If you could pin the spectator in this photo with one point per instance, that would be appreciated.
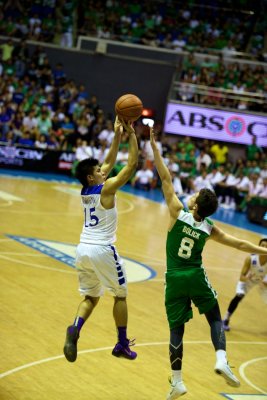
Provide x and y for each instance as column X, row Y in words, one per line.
column 201, row 182
column 177, row 185
column 252, row 149
column 26, row 140
column 44, row 123
column 143, row 178
column 107, row 134
column 220, row 151
column 224, row 190
column 254, row 188
column 41, row 143
column 216, row 175
column 84, row 151
column 7, row 50
column 203, row 158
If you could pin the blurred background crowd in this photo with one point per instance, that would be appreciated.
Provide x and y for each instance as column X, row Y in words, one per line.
column 212, row 24
column 41, row 107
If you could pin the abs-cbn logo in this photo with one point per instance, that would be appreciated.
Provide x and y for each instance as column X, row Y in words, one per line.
column 232, row 124
column 23, row 153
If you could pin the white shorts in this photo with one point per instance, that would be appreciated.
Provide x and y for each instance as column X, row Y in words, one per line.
column 100, row 267
column 242, row 288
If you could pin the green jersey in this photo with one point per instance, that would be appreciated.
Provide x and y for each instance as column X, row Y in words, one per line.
column 186, row 240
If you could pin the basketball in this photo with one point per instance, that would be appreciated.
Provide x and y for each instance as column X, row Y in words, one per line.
column 129, row 107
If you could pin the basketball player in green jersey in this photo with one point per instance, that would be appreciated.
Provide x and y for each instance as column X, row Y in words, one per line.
column 186, row 279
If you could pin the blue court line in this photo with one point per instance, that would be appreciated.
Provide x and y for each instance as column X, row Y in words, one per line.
column 230, row 217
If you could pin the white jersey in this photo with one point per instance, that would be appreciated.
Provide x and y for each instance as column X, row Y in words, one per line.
column 257, row 271
column 100, row 224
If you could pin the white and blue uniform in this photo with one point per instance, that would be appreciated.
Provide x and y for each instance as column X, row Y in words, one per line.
column 98, row 263
column 257, row 275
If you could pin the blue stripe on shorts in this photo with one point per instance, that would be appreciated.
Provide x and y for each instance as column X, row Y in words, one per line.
column 121, row 278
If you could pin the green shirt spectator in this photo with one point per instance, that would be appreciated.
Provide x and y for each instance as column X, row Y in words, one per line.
column 7, row 50
column 252, row 149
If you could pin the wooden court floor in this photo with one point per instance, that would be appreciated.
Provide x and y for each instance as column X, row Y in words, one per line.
column 39, row 299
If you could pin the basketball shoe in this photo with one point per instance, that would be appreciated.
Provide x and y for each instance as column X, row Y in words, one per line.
column 177, row 390
column 222, row 368
column 124, row 351
column 70, row 347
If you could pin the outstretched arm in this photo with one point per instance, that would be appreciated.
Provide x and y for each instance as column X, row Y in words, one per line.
column 220, row 236
column 113, row 184
column 245, row 269
column 173, row 203
column 110, row 159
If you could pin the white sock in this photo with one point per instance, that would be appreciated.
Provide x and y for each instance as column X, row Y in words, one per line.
column 227, row 315
column 221, row 355
column 176, row 376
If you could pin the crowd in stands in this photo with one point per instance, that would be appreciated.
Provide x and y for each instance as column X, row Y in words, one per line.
column 168, row 24
column 206, row 164
column 226, row 85
column 41, row 108
column 39, row 20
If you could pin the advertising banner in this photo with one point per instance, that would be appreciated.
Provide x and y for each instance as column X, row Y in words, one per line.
column 216, row 125
column 32, row 159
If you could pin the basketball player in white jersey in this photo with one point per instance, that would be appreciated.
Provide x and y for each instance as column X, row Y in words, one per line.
column 97, row 260
column 254, row 272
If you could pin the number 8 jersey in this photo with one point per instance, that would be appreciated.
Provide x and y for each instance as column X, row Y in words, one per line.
column 100, row 224
column 186, row 240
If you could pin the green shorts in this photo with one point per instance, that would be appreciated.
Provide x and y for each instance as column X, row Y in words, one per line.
column 184, row 286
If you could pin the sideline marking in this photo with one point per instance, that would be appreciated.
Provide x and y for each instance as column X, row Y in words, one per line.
column 242, row 373
column 38, row 265
column 45, row 360
column 243, row 396
column 9, row 197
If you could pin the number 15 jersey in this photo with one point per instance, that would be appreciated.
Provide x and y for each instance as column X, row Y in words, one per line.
column 100, row 224
column 186, row 240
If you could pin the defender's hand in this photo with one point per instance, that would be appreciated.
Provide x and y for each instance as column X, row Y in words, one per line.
column 152, row 138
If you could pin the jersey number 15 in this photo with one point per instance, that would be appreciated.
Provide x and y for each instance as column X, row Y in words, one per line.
column 90, row 219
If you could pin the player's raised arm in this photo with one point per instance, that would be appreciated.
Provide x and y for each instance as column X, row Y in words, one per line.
column 110, row 159
column 173, row 203
column 113, row 184
column 245, row 269
column 220, row 236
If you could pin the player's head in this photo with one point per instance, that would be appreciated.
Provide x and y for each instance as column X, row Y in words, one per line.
column 263, row 242
column 89, row 173
column 203, row 203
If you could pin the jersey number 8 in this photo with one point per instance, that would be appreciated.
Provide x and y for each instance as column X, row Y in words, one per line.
column 185, row 249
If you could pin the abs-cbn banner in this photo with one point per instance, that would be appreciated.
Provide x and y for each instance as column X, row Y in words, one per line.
column 32, row 159
column 215, row 124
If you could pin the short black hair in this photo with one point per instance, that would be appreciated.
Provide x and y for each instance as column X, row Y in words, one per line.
column 85, row 168
column 207, row 203
column 262, row 240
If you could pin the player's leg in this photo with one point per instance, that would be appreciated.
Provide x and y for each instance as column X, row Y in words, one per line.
column 176, row 355
column 91, row 288
column 205, row 298
column 179, row 311
column 112, row 275
column 73, row 331
column 120, row 314
column 219, row 342
column 241, row 290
